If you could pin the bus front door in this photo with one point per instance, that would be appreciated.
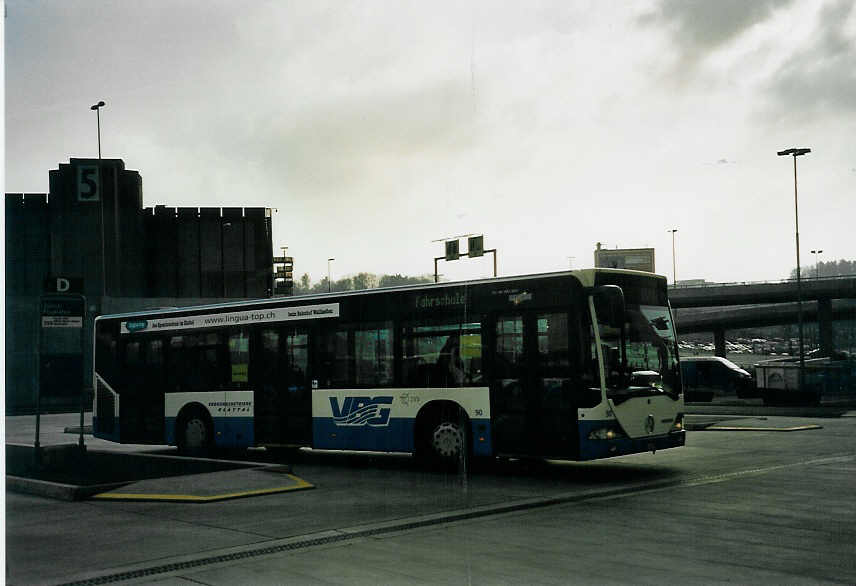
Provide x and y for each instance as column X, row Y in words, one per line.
column 554, row 400
column 532, row 404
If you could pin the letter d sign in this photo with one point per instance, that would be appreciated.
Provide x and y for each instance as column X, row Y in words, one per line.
column 57, row 284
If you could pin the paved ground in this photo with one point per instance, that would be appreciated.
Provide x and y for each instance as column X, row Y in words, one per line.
column 744, row 506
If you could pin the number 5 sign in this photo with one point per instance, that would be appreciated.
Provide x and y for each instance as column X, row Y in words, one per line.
column 87, row 183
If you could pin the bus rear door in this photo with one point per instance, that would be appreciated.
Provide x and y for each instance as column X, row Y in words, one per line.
column 283, row 401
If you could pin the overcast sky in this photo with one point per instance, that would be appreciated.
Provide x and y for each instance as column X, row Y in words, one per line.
column 374, row 128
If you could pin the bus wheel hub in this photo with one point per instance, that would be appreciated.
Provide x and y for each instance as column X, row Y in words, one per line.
column 195, row 433
column 447, row 439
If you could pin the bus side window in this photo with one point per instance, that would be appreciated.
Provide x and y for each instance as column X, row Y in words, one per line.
column 471, row 355
column 209, row 361
column 554, row 359
column 509, row 365
column 297, row 349
column 553, row 356
column 373, row 350
column 133, row 371
column 193, row 360
column 268, row 359
column 337, row 357
column 509, row 348
column 154, row 359
column 239, row 358
column 443, row 355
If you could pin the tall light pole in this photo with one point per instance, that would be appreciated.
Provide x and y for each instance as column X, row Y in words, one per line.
column 816, row 263
column 797, row 153
column 97, row 107
column 674, row 273
column 329, row 283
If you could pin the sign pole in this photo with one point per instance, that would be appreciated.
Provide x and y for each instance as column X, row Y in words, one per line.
column 82, row 386
column 59, row 311
column 38, row 379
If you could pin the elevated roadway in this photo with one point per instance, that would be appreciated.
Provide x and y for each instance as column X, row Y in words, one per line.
column 706, row 319
column 719, row 294
column 699, row 308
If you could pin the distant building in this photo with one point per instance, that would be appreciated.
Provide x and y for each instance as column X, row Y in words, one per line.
column 637, row 259
column 92, row 231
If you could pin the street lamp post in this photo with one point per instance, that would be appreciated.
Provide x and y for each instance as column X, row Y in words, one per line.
column 97, row 107
column 674, row 273
column 797, row 153
column 816, row 263
column 329, row 283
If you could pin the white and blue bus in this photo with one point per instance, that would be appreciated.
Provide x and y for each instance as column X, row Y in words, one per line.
column 575, row 365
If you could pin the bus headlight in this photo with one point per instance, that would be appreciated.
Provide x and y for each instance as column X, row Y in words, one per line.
column 605, row 433
column 678, row 425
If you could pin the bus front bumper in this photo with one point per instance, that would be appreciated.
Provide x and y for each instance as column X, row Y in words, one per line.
column 593, row 449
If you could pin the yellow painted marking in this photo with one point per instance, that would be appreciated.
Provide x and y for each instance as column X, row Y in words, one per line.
column 190, row 498
column 728, row 428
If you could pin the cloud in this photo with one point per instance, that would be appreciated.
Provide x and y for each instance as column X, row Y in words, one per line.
column 329, row 146
column 819, row 77
column 699, row 26
column 790, row 59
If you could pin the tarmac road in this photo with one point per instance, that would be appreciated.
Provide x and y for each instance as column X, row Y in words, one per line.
column 735, row 505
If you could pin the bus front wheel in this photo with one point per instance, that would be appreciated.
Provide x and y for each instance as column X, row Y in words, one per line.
column 195, row 433
column 444, row 440
column 448, row 440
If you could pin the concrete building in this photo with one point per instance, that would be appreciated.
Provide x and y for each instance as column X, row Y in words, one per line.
column 92, row 231
column 637, row 259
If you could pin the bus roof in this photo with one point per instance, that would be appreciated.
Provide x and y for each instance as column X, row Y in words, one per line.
column 584, row 276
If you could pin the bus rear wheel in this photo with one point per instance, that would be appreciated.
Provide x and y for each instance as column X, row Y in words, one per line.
column 195, row 433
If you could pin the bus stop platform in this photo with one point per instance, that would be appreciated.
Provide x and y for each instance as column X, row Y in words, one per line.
column 210, row 487
column 747, row 423
column 65, row 472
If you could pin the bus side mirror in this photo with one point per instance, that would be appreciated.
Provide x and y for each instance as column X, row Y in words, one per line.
column 609, row 305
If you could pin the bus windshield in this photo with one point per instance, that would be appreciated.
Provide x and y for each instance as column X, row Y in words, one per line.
column 641, row 357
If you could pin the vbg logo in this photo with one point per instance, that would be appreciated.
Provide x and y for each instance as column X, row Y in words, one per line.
column 358, row 411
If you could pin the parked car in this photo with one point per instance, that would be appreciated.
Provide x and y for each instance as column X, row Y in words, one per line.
column 706, row 377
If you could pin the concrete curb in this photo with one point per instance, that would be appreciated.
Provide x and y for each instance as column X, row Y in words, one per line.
column 738, row 428
column 87, row 429
column 57, row 490
column 76, row 492
column 833, row 411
